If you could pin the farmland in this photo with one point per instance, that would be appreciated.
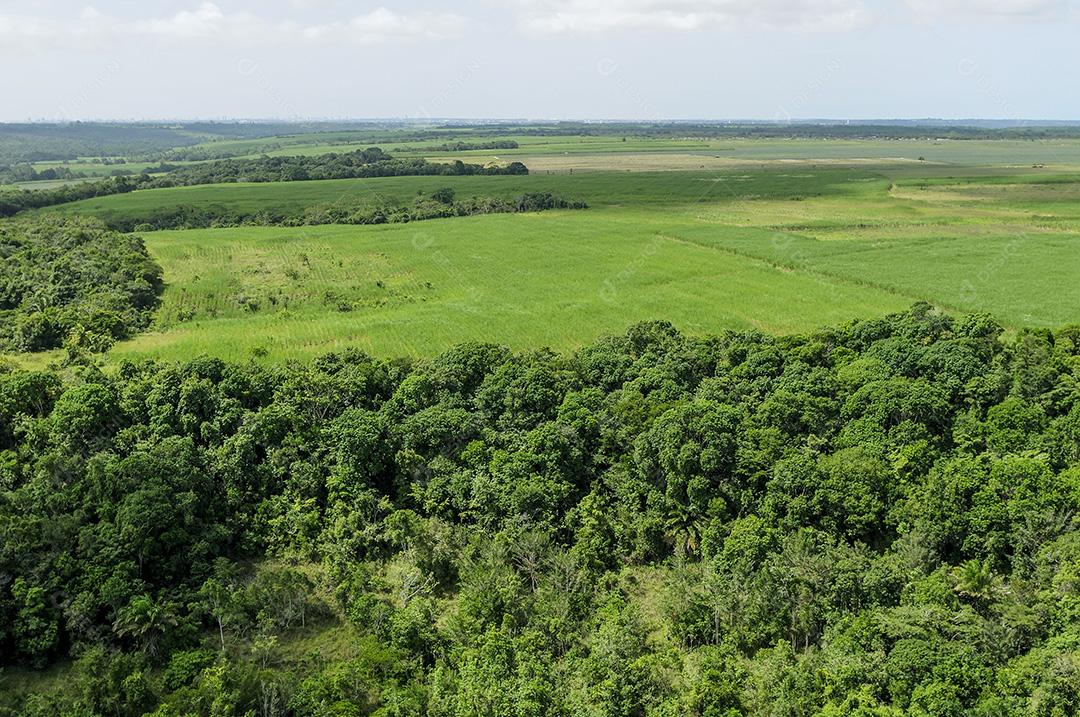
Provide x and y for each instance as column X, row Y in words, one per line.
column 418, row 289
column 555, row 151
column 785, row 247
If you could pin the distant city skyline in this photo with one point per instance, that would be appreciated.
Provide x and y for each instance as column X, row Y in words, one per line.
column 772, row 60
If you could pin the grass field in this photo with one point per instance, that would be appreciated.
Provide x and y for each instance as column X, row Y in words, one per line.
column 792, row 236
column 774, row 251
column 552, row 279
column 636, row 189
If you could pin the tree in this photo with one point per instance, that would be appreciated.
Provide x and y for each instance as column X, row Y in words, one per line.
column 976, row 581
column 36, row 631
column 147, row 621
column 445, row 195
column 219, row 598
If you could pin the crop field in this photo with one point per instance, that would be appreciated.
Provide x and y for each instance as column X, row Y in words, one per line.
column 637, row 189
column 551, row 279
column 779, row 251
column 795, row 235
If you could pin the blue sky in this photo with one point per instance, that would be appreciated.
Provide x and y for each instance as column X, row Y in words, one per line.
column 635, row 59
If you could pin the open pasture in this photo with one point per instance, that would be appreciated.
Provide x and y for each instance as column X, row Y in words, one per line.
column 780, row 251
column 552, row 279
column 781, row 235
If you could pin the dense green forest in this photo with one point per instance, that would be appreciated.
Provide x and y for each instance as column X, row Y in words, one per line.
column 361, row 163
column 876, row 519
column 31, row 142
column 74, row 282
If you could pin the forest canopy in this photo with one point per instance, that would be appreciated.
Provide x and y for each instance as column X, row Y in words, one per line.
column 878, row 518
column 73, row 280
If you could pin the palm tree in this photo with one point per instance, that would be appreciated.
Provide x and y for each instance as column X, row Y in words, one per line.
column 683, row 526
column 975, row 580
column 146, row 621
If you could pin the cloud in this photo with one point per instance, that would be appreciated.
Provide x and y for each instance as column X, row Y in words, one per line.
column 995, row 8
column 592, row 16
column 208, row 23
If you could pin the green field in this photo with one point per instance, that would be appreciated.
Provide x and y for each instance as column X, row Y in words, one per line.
column 624, row 190
column 794, row 235
column 776, row 251
column 416, row 289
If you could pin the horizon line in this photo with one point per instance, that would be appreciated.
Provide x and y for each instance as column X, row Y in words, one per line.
column 954, row 121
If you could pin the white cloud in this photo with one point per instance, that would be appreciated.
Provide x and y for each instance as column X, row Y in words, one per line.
column 383, row 24
column 995, row 8
column 209, row 23
column 589, row 16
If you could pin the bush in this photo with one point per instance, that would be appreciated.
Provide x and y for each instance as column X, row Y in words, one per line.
column 65, row 276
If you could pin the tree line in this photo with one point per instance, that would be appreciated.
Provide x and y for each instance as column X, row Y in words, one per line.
column 439, row 204
column 362, row 163
column 461, row 146
column 874, row 519
column 10, row 174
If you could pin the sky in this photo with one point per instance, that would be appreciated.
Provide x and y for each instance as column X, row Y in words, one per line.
column 539, row 59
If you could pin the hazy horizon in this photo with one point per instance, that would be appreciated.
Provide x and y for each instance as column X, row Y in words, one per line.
column 627, row 59
column 869, row 121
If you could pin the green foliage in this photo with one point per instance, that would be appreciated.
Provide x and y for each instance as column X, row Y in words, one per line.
column 461, row 146
column 440, row 205
column 36, row 631
column 72, row 281
column 655, row 525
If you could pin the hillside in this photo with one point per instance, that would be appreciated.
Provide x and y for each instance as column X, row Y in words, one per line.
column 881, row 514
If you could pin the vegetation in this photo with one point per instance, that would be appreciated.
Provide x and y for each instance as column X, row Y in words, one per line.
column 203, row 512
column 71, row 140
column 360, row 163
column 14, row 201
column 461, row 146
column 30, row 142
column 102, row 149
column 559, row 278
column 877, row 518
column 781, row 249
column 442, row 204
column 40, row 141
column 28, row 173
column 72, row 282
